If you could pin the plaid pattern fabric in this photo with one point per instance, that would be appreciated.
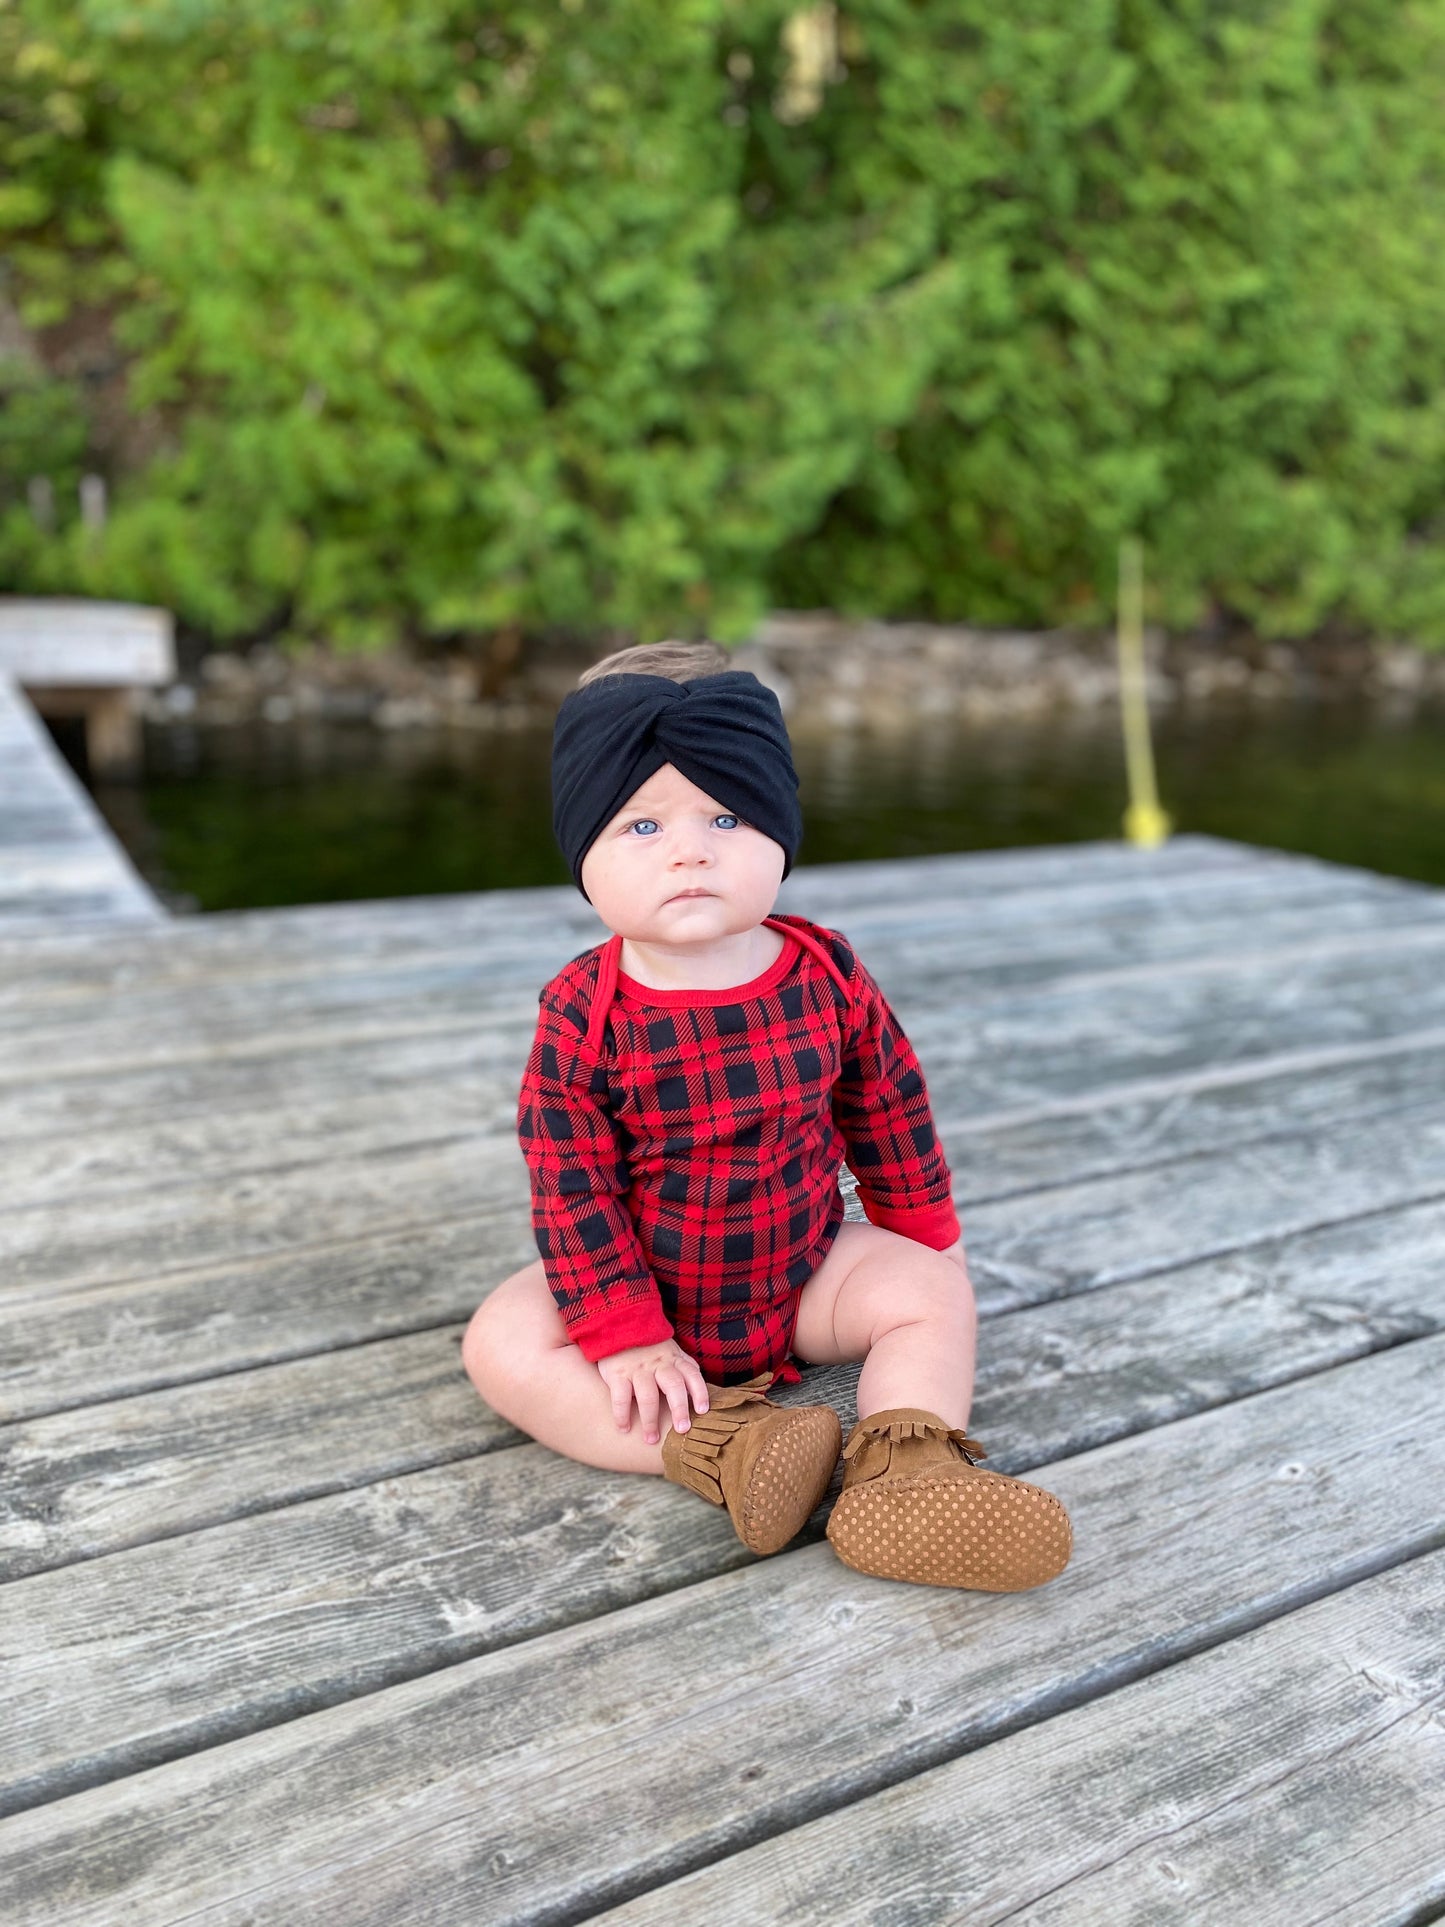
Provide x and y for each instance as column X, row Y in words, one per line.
column 684, row 1147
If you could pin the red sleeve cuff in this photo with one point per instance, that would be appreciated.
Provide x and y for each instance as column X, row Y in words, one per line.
column 935, row 1225
column 607, row 1331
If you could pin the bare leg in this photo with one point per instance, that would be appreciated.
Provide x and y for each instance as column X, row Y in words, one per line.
column 517, row 1353
column 907, row 1311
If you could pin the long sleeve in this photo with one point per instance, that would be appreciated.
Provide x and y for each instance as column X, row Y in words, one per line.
column 595, row 1266
column 880, row 1103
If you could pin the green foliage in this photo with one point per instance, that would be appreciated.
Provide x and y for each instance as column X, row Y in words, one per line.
column 421, row 319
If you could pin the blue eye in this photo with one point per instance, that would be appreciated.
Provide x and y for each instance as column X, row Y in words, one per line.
column 649, row 823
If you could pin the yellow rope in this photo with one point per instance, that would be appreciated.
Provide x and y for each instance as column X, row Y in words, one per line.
column 1144, row 822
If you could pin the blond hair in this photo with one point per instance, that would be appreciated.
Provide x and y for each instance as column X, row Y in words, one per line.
column 678, row 661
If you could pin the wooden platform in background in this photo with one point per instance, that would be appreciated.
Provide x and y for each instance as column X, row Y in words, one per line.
column 296, row 1632
column 84, row 660
column 59, row 862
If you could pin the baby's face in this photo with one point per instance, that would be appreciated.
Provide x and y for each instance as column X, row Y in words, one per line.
column 671, row 837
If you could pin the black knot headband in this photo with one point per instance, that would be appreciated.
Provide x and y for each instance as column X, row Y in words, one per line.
column 723, row 732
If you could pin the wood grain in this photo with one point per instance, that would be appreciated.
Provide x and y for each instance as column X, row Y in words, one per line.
column 440, row 1800
column 1293, row 1777
column 1052, row 1381
column 149, row 1027
column 223, row 1318
column 1113, row 1128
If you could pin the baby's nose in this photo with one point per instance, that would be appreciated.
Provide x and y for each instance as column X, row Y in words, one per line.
column 690, row 846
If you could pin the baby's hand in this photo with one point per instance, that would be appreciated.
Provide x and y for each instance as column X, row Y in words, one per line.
column 648, row 1374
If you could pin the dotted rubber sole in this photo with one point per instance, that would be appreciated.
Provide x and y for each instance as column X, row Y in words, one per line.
column 788, row 1480
column 986, row 1534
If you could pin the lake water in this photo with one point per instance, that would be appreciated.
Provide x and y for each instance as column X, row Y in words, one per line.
column 249, row 815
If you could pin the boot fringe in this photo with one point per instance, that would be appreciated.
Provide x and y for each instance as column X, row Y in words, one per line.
column 721, row 1397
column 700, row 1447
column 872, row 1445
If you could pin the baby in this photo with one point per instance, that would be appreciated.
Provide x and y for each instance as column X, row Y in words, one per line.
column 694, row 1086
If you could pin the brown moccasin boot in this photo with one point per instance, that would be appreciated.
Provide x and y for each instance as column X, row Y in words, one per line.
column 768, row 1464
column 915, row 1506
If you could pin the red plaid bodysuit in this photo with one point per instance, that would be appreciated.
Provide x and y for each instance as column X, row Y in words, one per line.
column 684, row 1147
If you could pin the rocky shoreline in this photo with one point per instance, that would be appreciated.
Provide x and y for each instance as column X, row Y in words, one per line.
column 827, row 671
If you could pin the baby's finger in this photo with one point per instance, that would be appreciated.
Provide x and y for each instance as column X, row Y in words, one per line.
column 647, row 1406
column 696, row 1383
column 622, row 1405
column 674, row 1388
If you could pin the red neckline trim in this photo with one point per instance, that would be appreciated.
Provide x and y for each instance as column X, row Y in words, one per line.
column 732, row 993
column 608, row 974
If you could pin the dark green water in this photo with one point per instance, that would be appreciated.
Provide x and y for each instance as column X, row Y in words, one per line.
column 227, row 818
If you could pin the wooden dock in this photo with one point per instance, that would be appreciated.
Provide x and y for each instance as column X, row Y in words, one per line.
column 59, row 862
column 295, row 1631
column 85, row 660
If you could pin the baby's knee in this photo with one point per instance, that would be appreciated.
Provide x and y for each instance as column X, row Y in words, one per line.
column 477, row 1351
column 497, row 1342
column 937, row 1291
column 507, row 1346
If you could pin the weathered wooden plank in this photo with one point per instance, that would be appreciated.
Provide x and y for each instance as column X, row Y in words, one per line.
column 257, row 946
column 1030, row 1247
column 78, row 863
column 1147, row 1120
column 38, row 911
column 1182, row 1799
column 1108, row 922
column 148, row 1026
column 1059, row 1378
column 146, row 1234
column 781, row 1691
column 1081, row 1037
column 1023, row 1248
column 137, row 1031
column 1104, row 1131
column 1061, row 1043
column 144, row 1337
column 43, row 820
column 84, row 875
column 37, row 878
column 492, row 971
column 82, row 1483
column 65, row 640
column 195, row 1150
column 195, row 1090
column 240, row 939
column 911, row 885
column 1076, row 1237
column 960, row 1091
column 1052, row 1381
column 977, row 954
